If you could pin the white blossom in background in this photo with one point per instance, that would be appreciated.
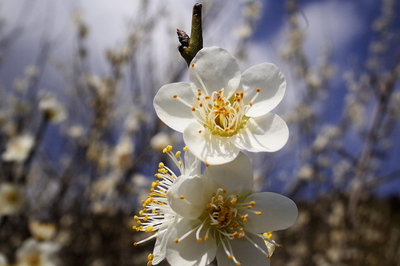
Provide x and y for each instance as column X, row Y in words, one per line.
column 223, row 219
column 223, row 111
column 161, row 140
column 42, row 231
column 52, row 109
column 11, row 199
column 3, row 260
column 18, row 148
column 122, row 157
column 156, row 215
column 35, row 253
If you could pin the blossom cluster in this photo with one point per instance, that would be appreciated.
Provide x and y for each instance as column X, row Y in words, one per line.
column 204, row 213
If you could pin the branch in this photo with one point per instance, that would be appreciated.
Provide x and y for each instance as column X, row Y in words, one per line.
column 191, row 45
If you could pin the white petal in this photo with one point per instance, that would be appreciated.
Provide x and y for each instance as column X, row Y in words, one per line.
column 265, row 133
column 272, row 83
column 192, row 164
column 189, row 251
column 211, row 149
column 236, row 176
column 170, row 110
column 277, row 212
column 216, row 69
column 189, row 195
column 160, row 247
column 245, row 252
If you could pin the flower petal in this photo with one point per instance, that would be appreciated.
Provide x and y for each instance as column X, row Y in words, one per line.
column 244, row 251
column 211, row 149
column 170, row 110
column 272, row 83
column 192, row 164
column 265, row 133
column 189, row 195
column 160, row 247
column 216, row 69
column 189, row 251
column 277, row 212
column 236, row 176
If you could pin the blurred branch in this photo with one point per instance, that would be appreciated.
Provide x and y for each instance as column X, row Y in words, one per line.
column 384, row 95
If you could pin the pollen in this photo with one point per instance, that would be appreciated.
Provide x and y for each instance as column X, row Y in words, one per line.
column 149, row 229
column 258, row 213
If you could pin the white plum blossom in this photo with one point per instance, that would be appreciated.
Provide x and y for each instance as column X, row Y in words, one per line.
column 222, row 219
column 18, row 148
column 11, row 198
column 52, row 109
column 156, row 215
column 3, row 260
column 35, row 253
column 222, row 111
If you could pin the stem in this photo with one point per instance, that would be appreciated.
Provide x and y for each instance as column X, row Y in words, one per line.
column 191, row 45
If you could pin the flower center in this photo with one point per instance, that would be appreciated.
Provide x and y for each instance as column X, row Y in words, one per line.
column 220, row 115
column 224, row 216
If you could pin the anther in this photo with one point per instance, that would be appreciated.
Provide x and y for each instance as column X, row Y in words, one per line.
column 182, row 197
column 149, row 229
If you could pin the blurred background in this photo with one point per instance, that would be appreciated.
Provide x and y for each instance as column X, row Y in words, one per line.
column 80, row 141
